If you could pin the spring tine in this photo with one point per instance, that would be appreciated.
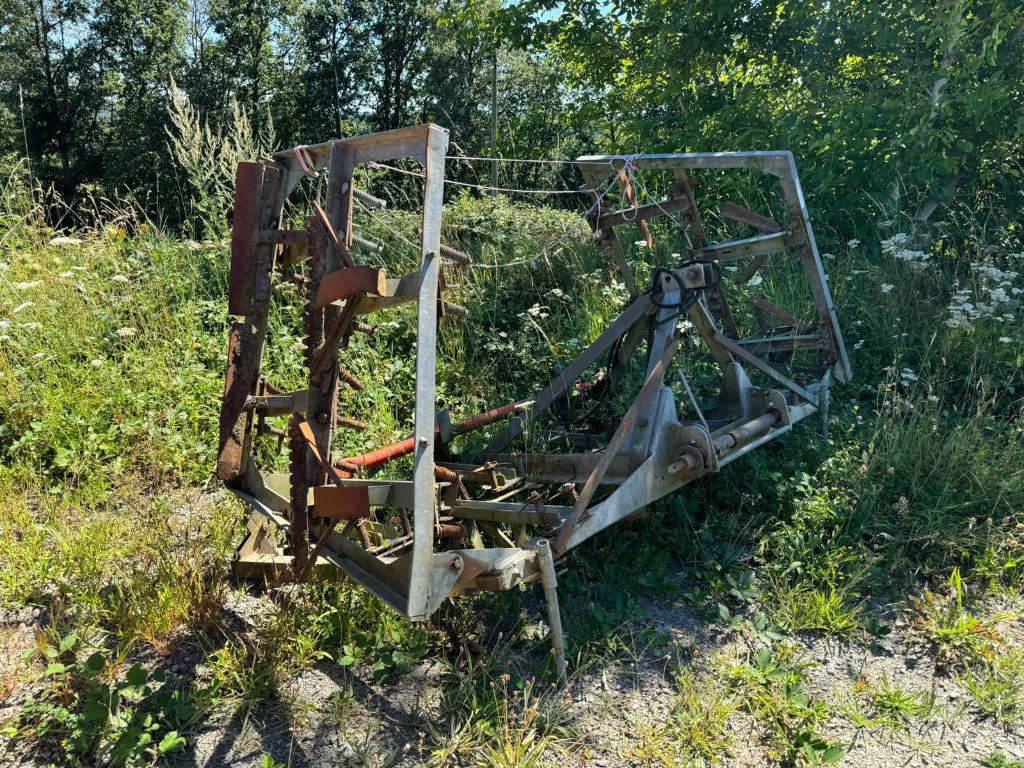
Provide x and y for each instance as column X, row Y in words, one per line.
column 570, row 489
column 449, row 531
column 345, row 421
column 406, row 521
column 351, row 380
column 457, row 257
column 367, row 245
column 370, row 200
column 364, row 534
column 446, row 475
column 455, row 311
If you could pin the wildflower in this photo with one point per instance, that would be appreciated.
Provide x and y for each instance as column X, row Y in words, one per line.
column 907, row 376
column 21, row 307
column 38, row 356
column 4, row 266
column 61, row 240
column 1005, row 339
column 887, row 287
column 126, row 333
column 27, row 285
column 119, row 279
column 828, row 256
column 96, row 362
column 755, row 280
column 66, row 275
column 893, row 243
column 933, row 398
column 853, row 243
column 859, row 344
column 640, row 243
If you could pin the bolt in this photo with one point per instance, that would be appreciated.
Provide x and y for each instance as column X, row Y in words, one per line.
column 570, row 488
column 491, row 467
column 323, row 417
column 423, row 442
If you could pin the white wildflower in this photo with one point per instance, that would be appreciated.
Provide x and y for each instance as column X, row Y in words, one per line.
column 4, row 325
column 894, row 243
column 96, row 362
column 4, row 266
column 887, row 287
column 38, row 356
column 119, row 279
column 640, row 243
column 829, row 256
column 24, row 286
column 755, row 280
column 126, row 333
column 61, row 240
column 66, row 275
column 859, row 344
column 1005, row 340
column 853, row 243
column 21, row 307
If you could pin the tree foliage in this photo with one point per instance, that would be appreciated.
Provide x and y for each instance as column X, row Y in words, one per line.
column 892, row 106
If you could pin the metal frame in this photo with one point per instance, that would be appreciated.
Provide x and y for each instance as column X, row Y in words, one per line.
column 509, row 528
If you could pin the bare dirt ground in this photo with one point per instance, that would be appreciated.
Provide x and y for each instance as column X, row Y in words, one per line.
column 335, row 717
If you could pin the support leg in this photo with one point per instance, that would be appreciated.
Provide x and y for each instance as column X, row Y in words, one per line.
column 549, row 581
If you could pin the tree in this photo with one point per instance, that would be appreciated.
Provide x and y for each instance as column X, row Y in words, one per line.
column 912, row 97
column 43, row 57
column 399, row 31
column 333, row 62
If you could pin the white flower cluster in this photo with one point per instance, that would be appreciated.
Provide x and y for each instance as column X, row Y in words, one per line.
column 996, row 295
column 897, row 246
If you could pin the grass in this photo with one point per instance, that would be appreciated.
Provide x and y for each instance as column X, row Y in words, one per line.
column 997, row 685
column 887, row 704
column 695, row 732
column 111, row 364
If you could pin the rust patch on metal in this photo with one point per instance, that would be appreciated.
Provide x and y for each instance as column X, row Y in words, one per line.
column 238, row 384
column 347, row 283
column 346, row 503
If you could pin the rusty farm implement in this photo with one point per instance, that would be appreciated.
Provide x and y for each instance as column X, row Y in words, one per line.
column 459, row 524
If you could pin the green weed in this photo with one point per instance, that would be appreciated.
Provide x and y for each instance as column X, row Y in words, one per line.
column 97, row 717
column 997, row 685
column 695, row 733
column 774, row 690
column 957, row 634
